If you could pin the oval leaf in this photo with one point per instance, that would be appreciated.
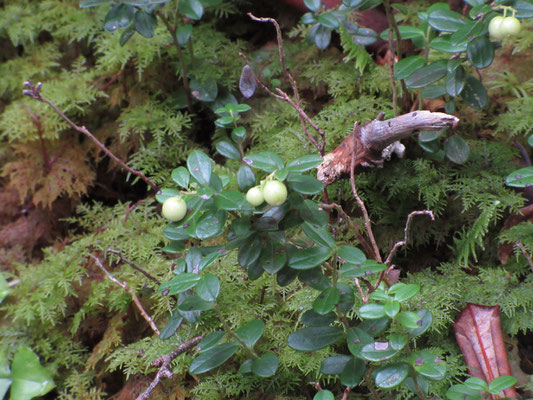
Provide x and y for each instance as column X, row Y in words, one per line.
column 314, row 338
column 353, row 372
column 391, row 375
column 199, row 165
column 208, row 287
column 326, row 301
column 251, row 331
column 520, row 178
column 407, row 66
column 228, row 150
column 266, row 161
column 212, row 358
column 480, row 52
column 266, row 365
column 457, row 150
column 309, row 258
column 427, row 75
column 145, row 23
column 305, row 163
column 474, row 93
column 191, row 8
column 118, row 17
column 305, row 184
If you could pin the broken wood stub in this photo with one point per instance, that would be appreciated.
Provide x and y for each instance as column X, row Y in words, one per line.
column 376, row 141
column 479, row 335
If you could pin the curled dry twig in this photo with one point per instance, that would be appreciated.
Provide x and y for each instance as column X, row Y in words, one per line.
column 125, row 286
column 34, row 91
column 163, row 363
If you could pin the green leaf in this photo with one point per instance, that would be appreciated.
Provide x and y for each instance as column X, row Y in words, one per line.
column 273, row 257
column 476, row 383
column 127, row 34
column 180, row 283
column 192, row 9
column 334, row 365
column 174, row 322
column 210, row 341
column 398, row 342
column 309, row 258
column 245, row 177
column 428, row 365
column 213, row 357
column 5, row 375
column 372, row 311
column 314, row 278
column 500, row 383
column 183, row 34
column 118, row 17
column 93, row 3
column 326, row 301
column 468, row 30
column 314, row 338
column 4, row 290
column 445, row 20
column 249, row 251
column 313, row 213
column 443, row 43
column 313, row 5
column 199, row 165
column 423, row 323
column 329, row 20
column 324, row 395
column 250, row 332
column 429, row 136
column 322, row 37
column 208, row 287
column 520, row 178
column 228, row 150
column 474, row 93
column 347, row 299
column 312, row 318
column 357, row 339
column 305, row 184
column 30, row 378
column 351, row 254
column 391, row 308
column 195, row 303
column 231, row 200
column 524, row 9
column 266, row 365
column 408, row 65
column 391, row 375
column 378, row 351
column 427, row 75
column 463, row 392
column 480, row 52
column 304, row 163
column 266, row 161
column 181, row 176
column 455, row 81
column 374, row 326
column 353, row 372
column 238, row 134
column 205, row 91
column 406, row 32
column 457, row 150
column 408, row 319
column 211, row 225
column 432, row 92
column 402, row 291
column 319, row 235
column 246, row 366
column 145, row 23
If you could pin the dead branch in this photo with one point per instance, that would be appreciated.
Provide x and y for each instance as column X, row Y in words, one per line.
column 125, row 286
column 163, row 364
column 525, row 253
column 374, row 142
column 133, row 265
column 34, row 91
column 403, row 242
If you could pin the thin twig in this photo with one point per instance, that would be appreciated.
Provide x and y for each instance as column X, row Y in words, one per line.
column 163, row 363
column 368, row 224
column 403, row 242
column 132, row 264
column 34, row 91
column 297, row 103
column 364, row 296
column 125, row 286
column 346, row 393
column 525, row 253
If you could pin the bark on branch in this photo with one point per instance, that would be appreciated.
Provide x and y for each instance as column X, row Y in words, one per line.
column 375, row 142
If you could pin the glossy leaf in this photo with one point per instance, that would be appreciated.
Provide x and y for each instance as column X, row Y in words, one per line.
column 314, row 278
column 266, row 365
column 329, row 20
column 391, row 308
column 406, row 32
column 247, row 82
column 375, row 326
column 238, row 134
column 93, row 3
column 127, row 34
column 249, row 251
column 206, row 91
column 476, row 384
column 402, row 291
column 192, row 9
column 210, row 225
column 427, row 75
column 199, row 165
column 520, row 178
column 145, row 23
column 372, row 311
column 322, row 37
column 231, row 200
column 480, row 52
column 266, row 161
column 180, row 283
column 314, row 338
column 208, row 287
column 426, row 318
column 445, row 20
column 467, row 31
column 391, row 375
column 474, row 94
column 457, row 150
column 334, row 365
column 308, row 18
column 183, row 34
column 428, row 365
column 309, row 258
column 273, row 257
column 312, row 318
column 351, row 254
column 407, row 66
column 357, row 338
column 246, row 366
column 324, row 395
column 228, row 150
column 378, row 351
column 408, row 319
column 455, row 81
column 118, row 17
column 326, row 301
column 251, row 331
column 30, row 378
column 353, row 372
column 181, row 176
column 398, row 341
column 213, row 357
column 433, row 91
column 195, row 303
column 313, row 213
column 319, row 235
column 245, row 177
column 304, row 163
column 347, row 300
column 444, row 44
column 429, row 136
column 210, row 341
column 173, row 323
column 500, row 383
column 313, row 5
column 463, row 392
